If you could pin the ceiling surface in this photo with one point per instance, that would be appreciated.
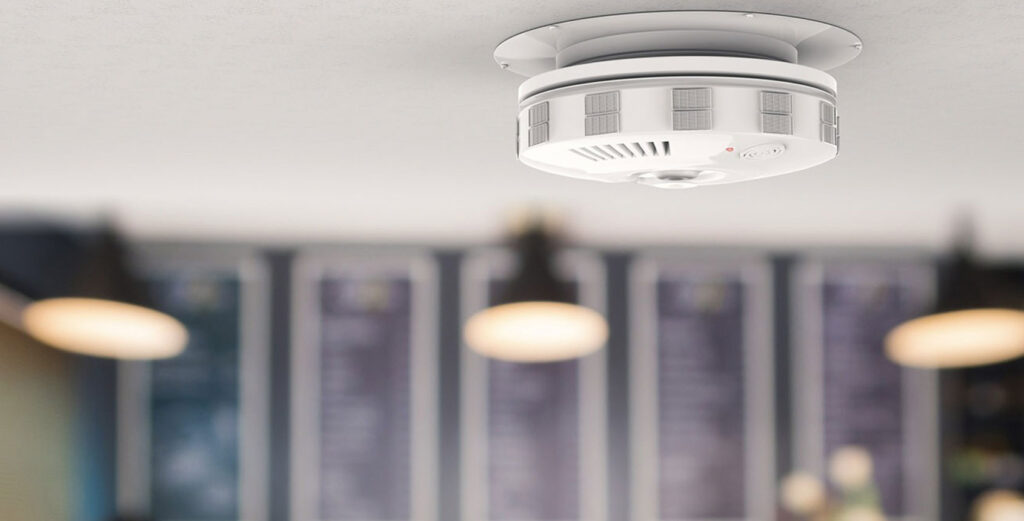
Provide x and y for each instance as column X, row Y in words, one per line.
column 387, row 120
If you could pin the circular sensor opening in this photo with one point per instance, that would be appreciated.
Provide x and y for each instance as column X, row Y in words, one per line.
column 677, row 179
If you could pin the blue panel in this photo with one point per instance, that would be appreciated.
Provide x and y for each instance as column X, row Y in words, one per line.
column 864, row 391
column 702, row 463
column 95, row 432
column 195, row 401
column 533, row 438
column 365, row 398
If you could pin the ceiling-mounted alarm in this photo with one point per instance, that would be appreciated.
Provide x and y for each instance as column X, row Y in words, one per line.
column 678, row 99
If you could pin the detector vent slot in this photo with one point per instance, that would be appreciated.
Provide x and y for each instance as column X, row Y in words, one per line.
column 615, row 151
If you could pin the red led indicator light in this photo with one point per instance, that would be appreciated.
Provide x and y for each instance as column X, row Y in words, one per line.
column 730, row 149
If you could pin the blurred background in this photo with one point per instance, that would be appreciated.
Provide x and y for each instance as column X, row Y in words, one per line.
column 257, row 264
column 335, row 382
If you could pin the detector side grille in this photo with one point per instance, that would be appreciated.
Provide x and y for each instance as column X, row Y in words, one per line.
column 691, row 109
column 602, row 113
column 776, row 124
column 829, row 124
column 776, row 112
column 538, row 118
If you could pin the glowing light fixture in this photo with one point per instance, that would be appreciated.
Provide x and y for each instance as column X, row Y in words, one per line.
column 998, row 505
column 536, row 320
column 105, row 316
column 978, row 320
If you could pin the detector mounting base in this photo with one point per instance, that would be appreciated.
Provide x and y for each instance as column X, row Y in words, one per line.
column 678, row 33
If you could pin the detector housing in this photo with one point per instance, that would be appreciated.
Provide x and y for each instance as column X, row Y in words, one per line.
column 678, row 99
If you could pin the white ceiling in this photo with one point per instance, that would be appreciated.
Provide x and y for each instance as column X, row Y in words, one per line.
column 387, row 120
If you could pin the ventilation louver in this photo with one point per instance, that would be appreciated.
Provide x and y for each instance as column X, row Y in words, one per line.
column 624, row 150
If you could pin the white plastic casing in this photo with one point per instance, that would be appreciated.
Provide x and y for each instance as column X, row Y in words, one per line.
column 678, row 122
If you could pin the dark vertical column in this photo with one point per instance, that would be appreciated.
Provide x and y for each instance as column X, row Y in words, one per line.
column 95, row 438
column 781, row 304
column 280, row 383
column 617, row 266
column 951, row 393
column 450, row 344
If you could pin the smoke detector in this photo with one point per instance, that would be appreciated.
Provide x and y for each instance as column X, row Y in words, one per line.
column 678, row 99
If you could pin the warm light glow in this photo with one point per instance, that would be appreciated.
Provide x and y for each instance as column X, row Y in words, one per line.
column 860, row 513
column 802, row 493
column 998, row 505
column 105, row 328
column 958, row 339
column 851, row 468
column 536, row 331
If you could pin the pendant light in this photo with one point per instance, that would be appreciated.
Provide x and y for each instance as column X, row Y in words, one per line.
column 977, row 320
column 536, row 319
column 106, row 313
